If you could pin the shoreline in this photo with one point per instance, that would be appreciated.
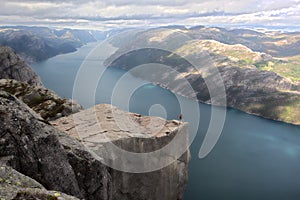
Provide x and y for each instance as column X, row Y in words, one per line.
column 227, row 107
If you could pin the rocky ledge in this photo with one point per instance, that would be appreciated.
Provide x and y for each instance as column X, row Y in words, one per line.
column 62, row 163
column 43, row 101
column 17, row 78
column 98, row 126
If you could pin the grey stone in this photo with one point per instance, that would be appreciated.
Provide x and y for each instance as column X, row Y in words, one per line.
column 13, row 67
column 43, row 101
column 14, row 185
column 98, row 126
column 33, row 147
column 62, row 163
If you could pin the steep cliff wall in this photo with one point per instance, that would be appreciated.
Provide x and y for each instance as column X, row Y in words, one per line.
column 17, row 78
column 98, row 126
column 60, row 162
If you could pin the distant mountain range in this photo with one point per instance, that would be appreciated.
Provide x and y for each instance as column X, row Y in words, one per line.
column 40, row 43
column 260, row 70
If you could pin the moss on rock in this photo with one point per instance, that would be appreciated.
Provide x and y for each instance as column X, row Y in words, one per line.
column 43, row 101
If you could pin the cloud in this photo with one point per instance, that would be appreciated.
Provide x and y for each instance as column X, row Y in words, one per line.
column 110, row 13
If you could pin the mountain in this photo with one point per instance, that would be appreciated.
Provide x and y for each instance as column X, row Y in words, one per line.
column 275, row 43
column 40, row 43
column 260, row 71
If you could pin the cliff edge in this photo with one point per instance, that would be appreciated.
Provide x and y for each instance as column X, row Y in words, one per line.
column 98, row 126
column 62, row 163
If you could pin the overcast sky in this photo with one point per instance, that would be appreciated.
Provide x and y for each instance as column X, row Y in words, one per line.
column 106, row 14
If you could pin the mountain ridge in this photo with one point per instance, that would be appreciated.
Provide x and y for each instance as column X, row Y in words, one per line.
column 36, row 44
column 255, row 81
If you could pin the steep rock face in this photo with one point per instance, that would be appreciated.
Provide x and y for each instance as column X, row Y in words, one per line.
column 134, row 133
column 12, row 67
column 43, row 101
column 59, row 162
column 47, row 155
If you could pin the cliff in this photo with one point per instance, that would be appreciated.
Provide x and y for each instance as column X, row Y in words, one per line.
column 36, row 149
column 19, row 79
column 62, row 163
column 13, row 67
column 97, row 126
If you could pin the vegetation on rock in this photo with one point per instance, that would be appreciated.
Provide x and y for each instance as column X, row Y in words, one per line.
column 43, row 101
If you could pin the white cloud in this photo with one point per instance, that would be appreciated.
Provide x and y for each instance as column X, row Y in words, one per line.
column 111, row 13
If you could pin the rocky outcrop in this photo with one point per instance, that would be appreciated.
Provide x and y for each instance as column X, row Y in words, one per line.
column 19, row 79
column 36, row 149
column 98, row 126
column 59, row 162
column 12, row 67
column 43, row 101
column 14, row 185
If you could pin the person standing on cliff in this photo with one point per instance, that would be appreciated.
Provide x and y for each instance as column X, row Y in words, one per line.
column 180, row 117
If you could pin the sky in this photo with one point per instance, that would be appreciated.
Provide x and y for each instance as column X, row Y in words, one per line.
column 108, row 14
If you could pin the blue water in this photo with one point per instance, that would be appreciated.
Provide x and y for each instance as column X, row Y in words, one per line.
column 254, row 159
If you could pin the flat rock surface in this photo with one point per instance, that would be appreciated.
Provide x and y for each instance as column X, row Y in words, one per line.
column 105, row 122
column 98, row 126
